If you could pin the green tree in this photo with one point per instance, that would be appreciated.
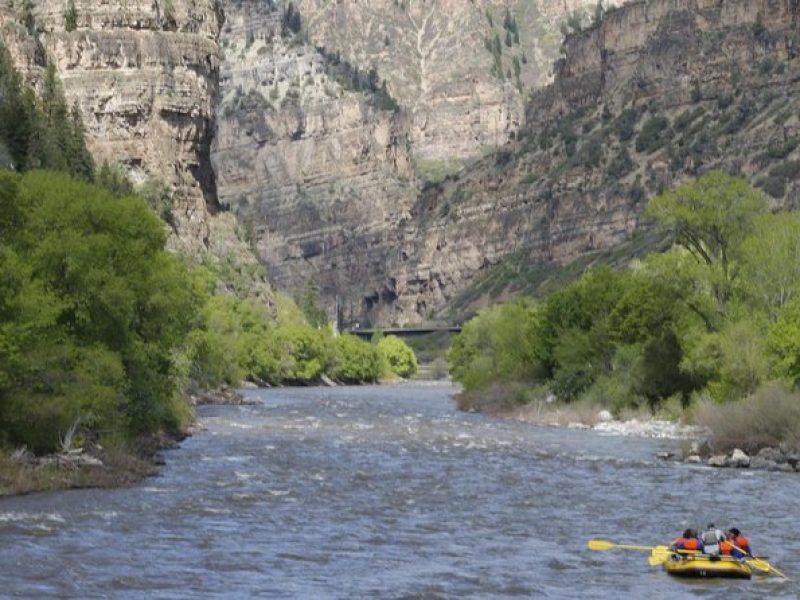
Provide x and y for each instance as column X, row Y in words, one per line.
column 710, row 217
column 309, row 304
column 500, row 344
column 401, row 358
column 92, row 313
column 113, row 178
column 783, row 342
column 770, row 259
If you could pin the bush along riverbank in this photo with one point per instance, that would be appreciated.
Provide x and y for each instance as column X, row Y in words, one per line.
column 104, row 335
column 706, row 333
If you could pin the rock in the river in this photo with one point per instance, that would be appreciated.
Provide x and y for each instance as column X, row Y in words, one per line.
column 739, row 459
column 720, row 460
column 771, row 454
column 694, row 459
column 764, row 464
column 604, row 416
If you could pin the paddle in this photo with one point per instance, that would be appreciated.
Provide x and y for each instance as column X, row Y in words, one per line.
column 757, row 562
column 658, row 554
column 606, row 545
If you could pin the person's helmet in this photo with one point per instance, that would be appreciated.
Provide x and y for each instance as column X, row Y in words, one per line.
column 688, row 533
column 710, row 526
column 735, row 531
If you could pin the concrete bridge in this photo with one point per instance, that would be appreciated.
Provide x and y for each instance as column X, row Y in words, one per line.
column 401, row 331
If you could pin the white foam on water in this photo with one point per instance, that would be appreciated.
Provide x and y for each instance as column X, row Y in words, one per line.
column 237, row 458
column 21, row 517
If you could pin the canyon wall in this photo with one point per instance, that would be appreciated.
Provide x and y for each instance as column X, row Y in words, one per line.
column 145, row 76
column 335, row 115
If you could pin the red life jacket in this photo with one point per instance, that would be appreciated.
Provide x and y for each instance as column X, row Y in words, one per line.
column 725, row 548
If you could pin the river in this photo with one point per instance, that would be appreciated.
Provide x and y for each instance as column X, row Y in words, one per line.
column 389, row 492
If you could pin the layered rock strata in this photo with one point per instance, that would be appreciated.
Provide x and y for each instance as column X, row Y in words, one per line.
column 144, row 75
column 326, row 171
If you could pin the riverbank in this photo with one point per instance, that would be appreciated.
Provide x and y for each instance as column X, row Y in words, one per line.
column 94, row 465
column 592, row 418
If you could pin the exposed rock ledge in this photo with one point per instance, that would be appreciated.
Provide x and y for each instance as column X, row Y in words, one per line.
column 767, row 459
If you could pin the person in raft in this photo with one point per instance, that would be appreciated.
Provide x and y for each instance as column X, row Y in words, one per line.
column 735, row 544
column 688, row 541
column 711, row 538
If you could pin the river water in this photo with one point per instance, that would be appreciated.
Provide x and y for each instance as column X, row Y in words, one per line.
column 389, row 492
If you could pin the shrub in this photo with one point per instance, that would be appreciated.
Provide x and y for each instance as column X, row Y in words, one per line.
column 399, row 355
column 303, row 353
column 774, row 186
column 626, row 123
column 620, row 165
column 768, row 418
column 497, row 345
column 354, row 360
column 781, row 148
column 653, row 134
column 788, row 170
column 71, row 17
column 591, row 153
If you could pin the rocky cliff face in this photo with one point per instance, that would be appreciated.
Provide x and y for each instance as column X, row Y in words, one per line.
column 328, row 130
column 144, row 75
column 660, row 92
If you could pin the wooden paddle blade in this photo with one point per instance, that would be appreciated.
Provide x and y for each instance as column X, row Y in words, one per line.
column 600, row 545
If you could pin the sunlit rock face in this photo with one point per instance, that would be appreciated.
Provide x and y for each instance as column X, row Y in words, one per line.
column 145, row 77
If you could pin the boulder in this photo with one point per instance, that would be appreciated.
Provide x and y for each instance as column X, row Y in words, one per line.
column 720, row 460
column 739, row 459
column 772, row 454
column 604, row 416
column 694, row 459
column 764, row 464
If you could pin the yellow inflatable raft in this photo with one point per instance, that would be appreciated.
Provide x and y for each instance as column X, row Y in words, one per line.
column 701, row 565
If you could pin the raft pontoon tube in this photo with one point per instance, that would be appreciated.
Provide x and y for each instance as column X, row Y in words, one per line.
column 701, row 565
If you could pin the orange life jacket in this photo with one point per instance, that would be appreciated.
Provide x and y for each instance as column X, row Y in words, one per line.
column 743, row 543
column 686, row 543
column 725, row 548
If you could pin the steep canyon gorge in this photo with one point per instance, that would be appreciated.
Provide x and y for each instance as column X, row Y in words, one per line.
column 396, row 152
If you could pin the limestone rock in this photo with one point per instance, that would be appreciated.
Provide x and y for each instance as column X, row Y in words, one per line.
column 739, row 459
column 719, row 460
column 760, row 463
column 771, row 454
column 144, row 76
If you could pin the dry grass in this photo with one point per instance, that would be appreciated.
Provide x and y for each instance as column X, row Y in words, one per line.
column 123, row 465
column 768, row 418
column 557, row 414
column 495, row 399
column 523, row 403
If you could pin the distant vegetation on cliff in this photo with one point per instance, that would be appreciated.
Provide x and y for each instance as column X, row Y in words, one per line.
column 715, row 317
